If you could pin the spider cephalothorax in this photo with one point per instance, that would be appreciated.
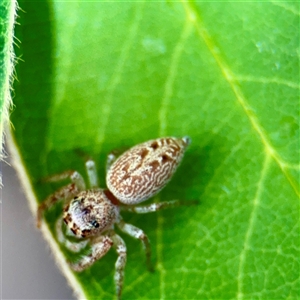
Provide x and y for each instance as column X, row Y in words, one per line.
column 91, row 214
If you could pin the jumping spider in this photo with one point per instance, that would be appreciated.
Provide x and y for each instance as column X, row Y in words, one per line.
column 91, row 214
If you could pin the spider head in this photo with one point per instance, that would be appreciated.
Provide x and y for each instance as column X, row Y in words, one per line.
column 90, row 213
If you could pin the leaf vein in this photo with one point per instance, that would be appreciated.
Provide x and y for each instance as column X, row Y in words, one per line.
column 249, row 232
column 194, row 17
column 267, row 80
column 286, row 7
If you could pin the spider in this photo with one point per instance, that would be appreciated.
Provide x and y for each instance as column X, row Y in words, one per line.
column 91, row 214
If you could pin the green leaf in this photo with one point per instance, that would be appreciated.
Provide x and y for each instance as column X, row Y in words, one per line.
column 7, row 13
column 99, row 76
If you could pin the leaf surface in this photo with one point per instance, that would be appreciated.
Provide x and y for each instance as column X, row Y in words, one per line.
column 99, row 76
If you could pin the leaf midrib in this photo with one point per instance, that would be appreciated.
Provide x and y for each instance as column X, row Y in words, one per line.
column 193, row 16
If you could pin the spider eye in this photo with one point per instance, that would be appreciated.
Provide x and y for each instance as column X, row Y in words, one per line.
column 95, row 224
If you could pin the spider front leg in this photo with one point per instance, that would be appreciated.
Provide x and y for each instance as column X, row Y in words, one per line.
column 137, row 233
column 61, row 236
column 99, row 247
column 65, row 193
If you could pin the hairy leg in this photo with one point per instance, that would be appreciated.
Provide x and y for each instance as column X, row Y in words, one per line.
column 120, row 247
column 65, row 193
column 138, row 234
column 92, row 173
column 73, row 175
column 72, row 246
column 111, row 158
column 157, row 206
column 99, row 247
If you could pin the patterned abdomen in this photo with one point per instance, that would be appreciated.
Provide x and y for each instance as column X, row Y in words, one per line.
column 145, row 169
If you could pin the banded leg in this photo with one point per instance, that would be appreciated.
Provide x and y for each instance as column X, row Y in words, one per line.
column 137, row 233
column 65, row 193
column 73, row 175
column 92, row 173
column 157, row 206
column 72, row 246
column 120, row 247
column 99, row 248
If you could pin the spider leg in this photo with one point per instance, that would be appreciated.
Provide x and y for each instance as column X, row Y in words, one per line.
column 120, row 247
column 72, row 246
column 137, row 233
column 111, row 158
column 73, row 175
column 99, row 247
column 65, row 193
column 92, row 173
column 157, row 206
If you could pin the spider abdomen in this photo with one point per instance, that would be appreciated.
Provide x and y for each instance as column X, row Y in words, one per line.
column 145, row 169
